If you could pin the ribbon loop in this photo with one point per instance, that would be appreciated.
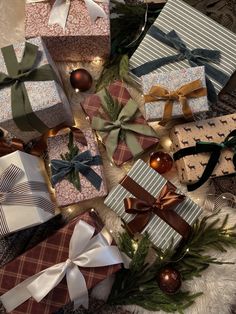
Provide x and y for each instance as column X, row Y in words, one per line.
column 214, row 149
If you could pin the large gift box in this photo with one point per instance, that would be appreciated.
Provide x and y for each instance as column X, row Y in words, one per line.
column 147, row 202
column 25, row 199
column 72, row 30
column 31, row 97
column 116, row 118
column 174, row 94
column 35, row 281
column 182, row 36
column 76, row 167
column 204, row 147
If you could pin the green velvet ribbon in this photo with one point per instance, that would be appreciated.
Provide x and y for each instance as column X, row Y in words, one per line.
column 209, row 147
column 110, row 130
column 18, row 73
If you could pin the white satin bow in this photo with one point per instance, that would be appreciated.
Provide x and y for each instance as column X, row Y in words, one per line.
column 84, row 251
column 60, row 10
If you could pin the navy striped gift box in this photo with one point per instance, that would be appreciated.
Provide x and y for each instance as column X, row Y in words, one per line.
column 161, row 234
column 196, row 30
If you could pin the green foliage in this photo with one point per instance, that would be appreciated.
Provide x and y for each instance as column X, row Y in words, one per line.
column 112, row 107
column 138, row 284
column 73, row 176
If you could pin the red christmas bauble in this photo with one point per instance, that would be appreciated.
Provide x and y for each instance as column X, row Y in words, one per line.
column 161, row 162
column 81, row 80
column 169, row 280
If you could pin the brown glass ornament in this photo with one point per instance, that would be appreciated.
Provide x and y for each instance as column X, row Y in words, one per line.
column 161, row 162
column 81, row 80
column 169, row 280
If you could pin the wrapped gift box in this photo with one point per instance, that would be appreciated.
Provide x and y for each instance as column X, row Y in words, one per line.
column 66, row 192
column 52, row 251
column 93, row 108
column 47, row 98
column 161, row 234
column 173, row 81
column 81, row 40
column 197, row 31
column 20, row 211
column 190, row 168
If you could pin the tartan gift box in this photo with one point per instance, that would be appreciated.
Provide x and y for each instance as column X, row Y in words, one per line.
column 116, row 118
column 31, row 97
column 141, row 198
column 182, row 36
column 16, row 292
column 174, row 94
column 204, row 149
column 84, row 181
column 25, row 199
column 81, row 36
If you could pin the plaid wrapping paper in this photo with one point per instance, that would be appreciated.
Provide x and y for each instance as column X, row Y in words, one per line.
column 92, row 107
column 190, row 168
column 48, row 253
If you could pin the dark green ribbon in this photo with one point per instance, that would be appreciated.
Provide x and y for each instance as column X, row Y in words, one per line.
column 208, row 147
column 195, row 57
column 110, row 130
column 18, row 73
column 81, row 163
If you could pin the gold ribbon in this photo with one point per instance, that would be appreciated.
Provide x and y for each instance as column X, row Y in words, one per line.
column 182, row 94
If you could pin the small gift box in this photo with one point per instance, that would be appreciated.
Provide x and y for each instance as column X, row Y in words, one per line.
column 174, row 93
column 147, row 202
column 25, row 199
column 116, row 117
column 31, row 97
column 72, row 30
column 76, row 167
column 205, row 149
column 82, row 251
column 182, row 36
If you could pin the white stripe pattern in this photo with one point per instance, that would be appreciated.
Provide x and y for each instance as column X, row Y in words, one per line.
column 161, row 234
column 196, row 30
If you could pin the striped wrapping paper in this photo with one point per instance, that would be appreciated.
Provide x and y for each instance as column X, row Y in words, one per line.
column 161, row 234
column 196, row 30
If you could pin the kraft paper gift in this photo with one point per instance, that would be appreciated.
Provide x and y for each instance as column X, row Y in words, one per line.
column 73, row 249
column 145, row 186
column 31, row 97
column 199, row 135
column 127, row 120
column 79, row 35
column 184, row 91
column 88, row 180
column 181, row 37
column 25, row 199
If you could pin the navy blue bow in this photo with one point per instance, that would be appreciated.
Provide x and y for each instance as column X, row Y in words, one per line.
column 195, row 57
column 81, row 163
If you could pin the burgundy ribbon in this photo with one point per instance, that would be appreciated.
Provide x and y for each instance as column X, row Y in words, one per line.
column 145, row 205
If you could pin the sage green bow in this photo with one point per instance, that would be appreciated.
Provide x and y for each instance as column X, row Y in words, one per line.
column 18, row 73
column 122, row 123
column 215, row 150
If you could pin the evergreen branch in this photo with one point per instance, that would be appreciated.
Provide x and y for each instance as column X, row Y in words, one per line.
column 112, row 107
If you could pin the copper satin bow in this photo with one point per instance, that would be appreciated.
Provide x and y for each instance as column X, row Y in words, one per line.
column 182, row 94
column 162, row 206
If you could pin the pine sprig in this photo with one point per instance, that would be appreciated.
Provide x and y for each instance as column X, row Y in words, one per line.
column 73, row 176
column 138, row 284
column 112, row 107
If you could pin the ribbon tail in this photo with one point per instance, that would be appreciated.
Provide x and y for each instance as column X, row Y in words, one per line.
column 59, row 13
column 91, row 176
column 133, row 143
column 94, row 10
column 77, row 287
column 187, row 112
column 138, row 223
column 112, row 142
column 167, row 115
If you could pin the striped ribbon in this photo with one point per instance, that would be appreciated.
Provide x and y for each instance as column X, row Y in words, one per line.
column 18, row 194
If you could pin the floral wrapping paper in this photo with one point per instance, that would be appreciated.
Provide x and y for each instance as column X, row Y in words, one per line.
column 92, row 107
column 52, row 251
column 190, row 168
column 171, row 81
column 81, row 39
column 66, row 192
column 47, row 98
